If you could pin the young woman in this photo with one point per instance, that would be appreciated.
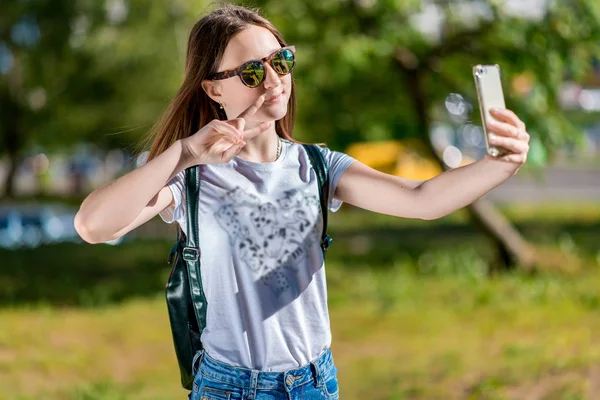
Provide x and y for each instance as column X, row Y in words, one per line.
column 267, row 334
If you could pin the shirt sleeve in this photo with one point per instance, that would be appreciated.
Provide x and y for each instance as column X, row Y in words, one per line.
column 336, row 162
column 177, row 213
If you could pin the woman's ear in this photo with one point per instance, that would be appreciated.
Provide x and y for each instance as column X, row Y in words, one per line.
column 212, row 89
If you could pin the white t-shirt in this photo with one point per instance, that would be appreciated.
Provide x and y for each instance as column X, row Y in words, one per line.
column 262, row 266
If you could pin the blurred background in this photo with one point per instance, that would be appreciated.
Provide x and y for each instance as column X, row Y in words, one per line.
column 499, row 300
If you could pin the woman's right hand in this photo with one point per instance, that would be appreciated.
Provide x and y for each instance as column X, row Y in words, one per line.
column 219, row 141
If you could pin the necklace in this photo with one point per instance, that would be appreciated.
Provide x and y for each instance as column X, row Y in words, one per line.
column 278, row 147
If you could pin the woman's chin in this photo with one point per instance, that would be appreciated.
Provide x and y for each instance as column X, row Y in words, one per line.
column 274, row 113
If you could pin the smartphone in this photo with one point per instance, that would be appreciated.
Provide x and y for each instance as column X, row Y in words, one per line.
column 490, row 95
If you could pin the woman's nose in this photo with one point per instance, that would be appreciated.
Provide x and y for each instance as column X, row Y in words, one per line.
column 271, row 77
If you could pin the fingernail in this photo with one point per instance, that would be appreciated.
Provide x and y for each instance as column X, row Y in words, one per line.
column 491, row 136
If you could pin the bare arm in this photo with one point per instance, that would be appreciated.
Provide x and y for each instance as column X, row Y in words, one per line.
column 132, row 199
column 376, row 191
column 129, row 201
column 367, row 188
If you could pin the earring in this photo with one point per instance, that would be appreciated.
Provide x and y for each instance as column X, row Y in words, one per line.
column 221, row 104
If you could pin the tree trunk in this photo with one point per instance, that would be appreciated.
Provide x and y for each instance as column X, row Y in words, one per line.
column 511, row 246
column 9, row 182
column 12, row 113
column 12, row 142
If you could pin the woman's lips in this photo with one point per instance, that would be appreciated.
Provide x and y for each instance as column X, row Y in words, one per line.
column 273, row 99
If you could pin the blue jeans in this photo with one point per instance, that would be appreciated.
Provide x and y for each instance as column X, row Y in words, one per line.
column 215, row 380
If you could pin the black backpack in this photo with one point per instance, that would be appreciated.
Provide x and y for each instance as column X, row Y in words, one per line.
column 185, row 296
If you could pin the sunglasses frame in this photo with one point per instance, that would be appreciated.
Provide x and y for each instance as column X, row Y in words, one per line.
column 238, row 71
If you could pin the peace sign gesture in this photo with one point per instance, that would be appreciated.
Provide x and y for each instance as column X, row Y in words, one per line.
column 219, row 141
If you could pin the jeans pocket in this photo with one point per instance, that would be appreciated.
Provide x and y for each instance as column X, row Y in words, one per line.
column 209, row 393
column 331, row 388
column 195, row 389
column 213, row 389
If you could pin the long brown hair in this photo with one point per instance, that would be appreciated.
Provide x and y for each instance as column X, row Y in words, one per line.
column 192, row 108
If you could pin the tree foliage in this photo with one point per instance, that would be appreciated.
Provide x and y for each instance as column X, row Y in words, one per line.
column 84, row 70
column 357, row 59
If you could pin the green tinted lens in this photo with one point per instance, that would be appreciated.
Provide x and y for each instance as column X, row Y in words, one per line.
column 253, row 73
column 283, row 62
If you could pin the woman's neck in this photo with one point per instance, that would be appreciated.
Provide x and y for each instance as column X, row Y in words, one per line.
column 262, row 148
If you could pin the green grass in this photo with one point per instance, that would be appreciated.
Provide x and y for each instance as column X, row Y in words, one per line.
column 413, row 314
column 396, row 335
column 448, row 337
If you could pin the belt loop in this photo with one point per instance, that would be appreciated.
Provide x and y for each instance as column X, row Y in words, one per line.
column 198, row 355
column 253, row 384
column 316, row 374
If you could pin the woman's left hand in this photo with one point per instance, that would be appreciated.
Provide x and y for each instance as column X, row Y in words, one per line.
column 509, row 132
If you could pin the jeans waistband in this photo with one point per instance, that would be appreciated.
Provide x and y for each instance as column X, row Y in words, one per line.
column 319, row 370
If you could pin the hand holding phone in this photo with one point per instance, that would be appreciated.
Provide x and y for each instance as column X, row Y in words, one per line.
column 490, row 95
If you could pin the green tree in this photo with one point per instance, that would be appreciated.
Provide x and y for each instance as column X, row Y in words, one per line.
column 375, row 69
column 76, row 71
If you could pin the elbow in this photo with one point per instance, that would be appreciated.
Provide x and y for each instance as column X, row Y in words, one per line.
column 424, row 206
column 430, row 210
column 429, row 216
column 431, row 213
column 84, row 231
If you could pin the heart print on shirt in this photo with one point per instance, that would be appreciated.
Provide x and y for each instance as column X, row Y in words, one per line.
column 268, row 238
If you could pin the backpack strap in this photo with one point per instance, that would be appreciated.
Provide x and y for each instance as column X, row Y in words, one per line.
column 191, row 251
column 318, row 163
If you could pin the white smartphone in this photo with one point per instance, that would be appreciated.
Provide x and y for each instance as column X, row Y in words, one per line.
column 490, row 95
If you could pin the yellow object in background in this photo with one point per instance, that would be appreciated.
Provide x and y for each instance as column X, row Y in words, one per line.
column 407, row 158
column 402, row 158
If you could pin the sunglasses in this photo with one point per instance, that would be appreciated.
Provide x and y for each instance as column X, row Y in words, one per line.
column 252, row 73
